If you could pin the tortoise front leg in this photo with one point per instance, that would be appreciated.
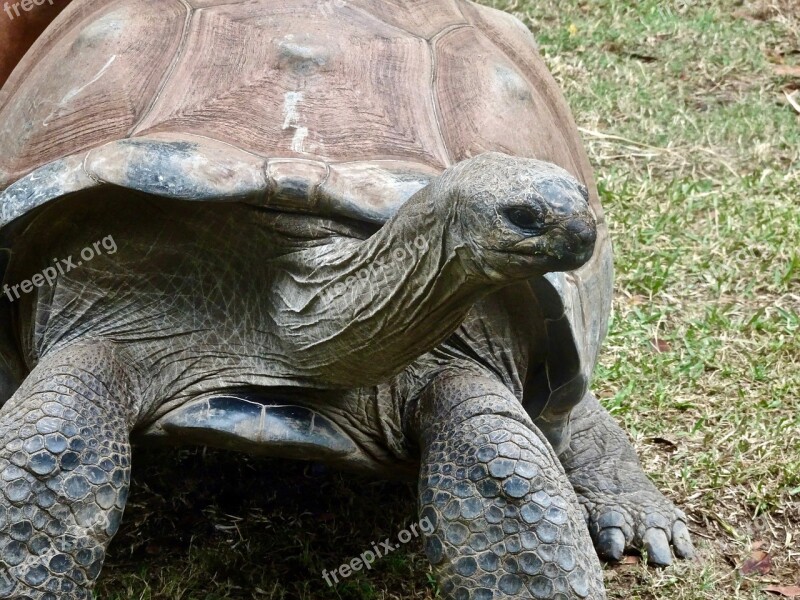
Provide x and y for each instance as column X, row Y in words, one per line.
column 65, row 472
column 506, row 521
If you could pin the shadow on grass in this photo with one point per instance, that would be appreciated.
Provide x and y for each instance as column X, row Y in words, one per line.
column 212, row 524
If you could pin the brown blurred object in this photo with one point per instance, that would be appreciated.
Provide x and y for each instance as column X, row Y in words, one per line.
column 18, row 33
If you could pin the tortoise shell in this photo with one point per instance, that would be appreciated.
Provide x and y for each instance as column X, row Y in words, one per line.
column 336, row 107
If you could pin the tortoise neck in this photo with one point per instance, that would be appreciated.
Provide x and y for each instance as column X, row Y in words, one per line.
column 383, row 301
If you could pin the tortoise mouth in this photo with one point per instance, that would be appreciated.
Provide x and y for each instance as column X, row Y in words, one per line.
column 544, row 262
column 561, row 248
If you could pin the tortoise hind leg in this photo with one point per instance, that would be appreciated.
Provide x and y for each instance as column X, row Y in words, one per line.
column 506, row 523
column 65, row 471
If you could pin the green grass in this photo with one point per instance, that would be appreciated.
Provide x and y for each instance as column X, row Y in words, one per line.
column 696, row 151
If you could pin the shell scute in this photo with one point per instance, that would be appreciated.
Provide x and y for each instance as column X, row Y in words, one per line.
column 181, row 168
column 294, row 96
column 472, row 118
column 91, row 87
column 562, row 144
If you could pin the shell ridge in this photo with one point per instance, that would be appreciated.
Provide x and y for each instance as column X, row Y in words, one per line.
column 458, row 4
column 450, row 29
column 85, row 166
column 316, row 191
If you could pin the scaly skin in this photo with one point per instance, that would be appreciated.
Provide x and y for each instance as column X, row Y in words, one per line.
column 506, row 521
column 623, row 508
column 65, row 472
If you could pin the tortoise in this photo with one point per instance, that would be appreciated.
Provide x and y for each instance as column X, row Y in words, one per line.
column 353, row 232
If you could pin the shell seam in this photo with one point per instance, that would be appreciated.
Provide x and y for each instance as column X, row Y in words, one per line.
column 432, row 86
column 171, row 69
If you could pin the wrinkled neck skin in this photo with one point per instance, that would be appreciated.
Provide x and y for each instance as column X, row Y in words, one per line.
column 382, row 302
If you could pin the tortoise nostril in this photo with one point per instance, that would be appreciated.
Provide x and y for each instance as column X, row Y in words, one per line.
column 524, row 217
column 582, row 231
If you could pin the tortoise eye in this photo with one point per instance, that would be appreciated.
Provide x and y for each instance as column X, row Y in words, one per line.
column 524, row 217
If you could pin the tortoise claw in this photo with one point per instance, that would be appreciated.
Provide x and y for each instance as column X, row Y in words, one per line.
column 682, row 541
column 611, row 544
column 656, row 544
column 621, row 504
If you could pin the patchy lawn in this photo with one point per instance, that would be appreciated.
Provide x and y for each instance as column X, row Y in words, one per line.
column 683, row 107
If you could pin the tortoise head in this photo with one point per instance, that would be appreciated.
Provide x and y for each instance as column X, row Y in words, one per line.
column 520, row 217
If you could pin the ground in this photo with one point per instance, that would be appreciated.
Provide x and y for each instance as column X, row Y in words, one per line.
column 683, row 106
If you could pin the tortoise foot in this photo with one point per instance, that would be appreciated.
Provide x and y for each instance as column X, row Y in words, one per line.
column 624, row 510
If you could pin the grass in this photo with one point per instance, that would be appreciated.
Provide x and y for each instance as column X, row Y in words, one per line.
column 696, row 149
